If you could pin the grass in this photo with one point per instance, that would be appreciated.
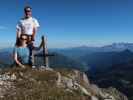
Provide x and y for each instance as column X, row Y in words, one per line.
column 39, row 85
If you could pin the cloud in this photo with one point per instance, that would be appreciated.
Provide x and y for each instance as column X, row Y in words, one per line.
column 2, row 27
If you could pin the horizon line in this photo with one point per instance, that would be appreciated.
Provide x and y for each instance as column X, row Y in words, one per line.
column 61, row 47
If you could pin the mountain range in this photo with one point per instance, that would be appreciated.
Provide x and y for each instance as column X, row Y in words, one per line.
column 85, row 57
column 83, row 50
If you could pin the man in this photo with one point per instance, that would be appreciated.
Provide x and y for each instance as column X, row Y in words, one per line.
column 27, row 25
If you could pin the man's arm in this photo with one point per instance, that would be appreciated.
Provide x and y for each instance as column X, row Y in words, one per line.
column 18, row 29
column 36, row 25
column 17, row 38
column 34, row 33
column 18, row 33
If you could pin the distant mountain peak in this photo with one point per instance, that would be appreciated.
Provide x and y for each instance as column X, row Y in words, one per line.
column 121, row 45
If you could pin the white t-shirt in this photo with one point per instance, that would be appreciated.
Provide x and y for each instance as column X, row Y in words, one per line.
column 26, row 26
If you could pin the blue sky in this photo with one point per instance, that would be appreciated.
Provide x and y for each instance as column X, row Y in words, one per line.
column 69, row 23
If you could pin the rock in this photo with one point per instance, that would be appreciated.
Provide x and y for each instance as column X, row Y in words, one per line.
column 79, row 76
column 45, row 68
column 113, row 94
column 58, row 82
column 13, row 77
column 71, row 83
column 83, row 90
column 94, row 98
column 42, row 82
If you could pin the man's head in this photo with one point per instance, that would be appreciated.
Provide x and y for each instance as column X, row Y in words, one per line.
column 28, row 11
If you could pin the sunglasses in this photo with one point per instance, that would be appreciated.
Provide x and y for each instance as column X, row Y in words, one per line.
column 27, row 10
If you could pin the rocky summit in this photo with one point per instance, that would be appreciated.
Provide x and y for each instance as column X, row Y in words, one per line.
column 52, row 84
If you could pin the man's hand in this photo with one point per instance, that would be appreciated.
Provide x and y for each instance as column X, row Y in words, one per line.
column 33, row 38
column 34, row 33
